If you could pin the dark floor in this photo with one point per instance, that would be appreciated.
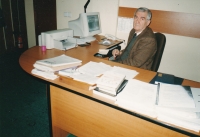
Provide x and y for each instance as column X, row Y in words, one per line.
column 23, row 101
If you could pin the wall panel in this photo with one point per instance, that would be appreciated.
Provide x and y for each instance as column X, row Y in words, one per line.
column 167, row 21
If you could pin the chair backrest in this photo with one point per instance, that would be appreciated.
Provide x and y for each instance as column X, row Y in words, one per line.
column 161, row 40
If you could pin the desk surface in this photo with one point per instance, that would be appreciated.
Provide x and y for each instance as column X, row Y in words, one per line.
column 85, row 54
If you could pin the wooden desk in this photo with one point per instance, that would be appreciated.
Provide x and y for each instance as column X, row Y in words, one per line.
column 74, row 109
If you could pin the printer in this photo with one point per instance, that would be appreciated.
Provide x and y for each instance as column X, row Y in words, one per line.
column 61, row 39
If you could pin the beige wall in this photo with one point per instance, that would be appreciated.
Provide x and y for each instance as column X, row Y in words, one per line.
column 108, row 12
column 181, row 56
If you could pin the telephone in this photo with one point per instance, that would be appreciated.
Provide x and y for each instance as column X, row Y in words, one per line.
column 109, row 36
column 109, row 54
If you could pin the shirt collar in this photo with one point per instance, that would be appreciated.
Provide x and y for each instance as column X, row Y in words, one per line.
column 138, row 33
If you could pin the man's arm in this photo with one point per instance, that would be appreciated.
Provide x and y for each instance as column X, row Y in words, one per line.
column 143, row 53
column 116, row 52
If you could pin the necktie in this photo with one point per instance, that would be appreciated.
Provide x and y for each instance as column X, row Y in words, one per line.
column 126, row 52
column 134, row 35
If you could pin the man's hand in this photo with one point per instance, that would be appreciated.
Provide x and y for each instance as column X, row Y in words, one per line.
column 115, row 53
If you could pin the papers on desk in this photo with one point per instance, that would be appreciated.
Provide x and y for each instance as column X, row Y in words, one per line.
column 173, row 104
column 110, row 81
column 46, row 67
column 175, row 95
column 59, row 61
column 94, row 68
column 76, row 75
column 179, row 105
column 127, row 72
column 138, row 96
column 85, row 78
column 44, row 74
column 88, row 72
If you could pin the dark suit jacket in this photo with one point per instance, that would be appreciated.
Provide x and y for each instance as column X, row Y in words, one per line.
column 143, row 50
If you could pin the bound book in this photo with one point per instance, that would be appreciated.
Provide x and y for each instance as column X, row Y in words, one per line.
column 108, row 95
column 53, row 69
column 59, row 61
column 110, row 81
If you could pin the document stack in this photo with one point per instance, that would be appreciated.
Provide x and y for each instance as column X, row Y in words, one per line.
column 90, row 72
column 110, row 84
column 47, row 67
column 87, row 73
column 175, row 104
column 179, row 105
column 138, row 96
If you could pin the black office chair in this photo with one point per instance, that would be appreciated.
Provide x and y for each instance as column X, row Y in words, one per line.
column 161, row 40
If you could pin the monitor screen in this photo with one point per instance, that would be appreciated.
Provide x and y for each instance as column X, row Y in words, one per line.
column 93, row 22
column 86, row 26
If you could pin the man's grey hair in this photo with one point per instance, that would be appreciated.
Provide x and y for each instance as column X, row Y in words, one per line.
column 143, row 9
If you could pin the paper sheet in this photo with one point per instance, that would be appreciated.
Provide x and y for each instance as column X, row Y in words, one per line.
column 138, row 96
column 47, row 75
column 128, row 72
column 175, row 96
column 94, row 68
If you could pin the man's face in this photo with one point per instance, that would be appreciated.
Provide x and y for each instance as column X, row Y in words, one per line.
column 140, row 21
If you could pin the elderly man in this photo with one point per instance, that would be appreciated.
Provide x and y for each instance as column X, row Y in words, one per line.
column 142, row 45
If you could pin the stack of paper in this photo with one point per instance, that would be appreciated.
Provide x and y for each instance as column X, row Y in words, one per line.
column 128, row 72
column 88, row 72
column 175, row 104
column 109, row 83
column 178, row 105
column 94, row 68
column 111, row 96
column 57, row 63
column 138, row 96
column 47, row 67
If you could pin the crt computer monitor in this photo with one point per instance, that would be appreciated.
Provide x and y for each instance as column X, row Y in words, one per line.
column 86, row 26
